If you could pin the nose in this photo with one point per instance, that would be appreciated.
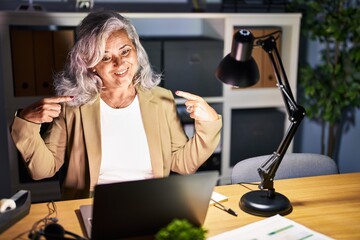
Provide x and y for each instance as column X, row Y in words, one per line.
column 117, row 61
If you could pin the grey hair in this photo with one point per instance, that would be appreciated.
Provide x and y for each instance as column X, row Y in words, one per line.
column 77, row 78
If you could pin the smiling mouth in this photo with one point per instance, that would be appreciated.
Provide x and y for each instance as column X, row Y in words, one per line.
column 122, row 72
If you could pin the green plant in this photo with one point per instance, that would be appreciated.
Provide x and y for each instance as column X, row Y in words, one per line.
column 181, row 229
column 332, row 86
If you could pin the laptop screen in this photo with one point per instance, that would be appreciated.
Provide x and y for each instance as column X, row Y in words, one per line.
column 142, row 208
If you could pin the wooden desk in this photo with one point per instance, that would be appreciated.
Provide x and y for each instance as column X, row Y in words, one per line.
column 326, row 204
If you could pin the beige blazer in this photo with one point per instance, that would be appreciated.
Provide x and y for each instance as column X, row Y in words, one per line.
column 73, row 143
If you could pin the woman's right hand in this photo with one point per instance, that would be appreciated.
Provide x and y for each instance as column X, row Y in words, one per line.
column 44, row 110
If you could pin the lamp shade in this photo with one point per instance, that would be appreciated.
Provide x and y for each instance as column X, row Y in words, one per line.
column 239, row 68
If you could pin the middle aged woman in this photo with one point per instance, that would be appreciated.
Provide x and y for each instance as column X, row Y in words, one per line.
column 110, row 121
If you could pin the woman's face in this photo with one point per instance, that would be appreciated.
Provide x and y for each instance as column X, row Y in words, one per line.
column 119, row 63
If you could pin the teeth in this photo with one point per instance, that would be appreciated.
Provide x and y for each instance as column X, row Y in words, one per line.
column 122, row 72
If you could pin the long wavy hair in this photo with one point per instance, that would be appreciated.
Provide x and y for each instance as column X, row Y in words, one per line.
column 77, row 79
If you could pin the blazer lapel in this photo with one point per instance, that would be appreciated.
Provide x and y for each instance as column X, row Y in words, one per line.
column 150, row 119
column 91, row 123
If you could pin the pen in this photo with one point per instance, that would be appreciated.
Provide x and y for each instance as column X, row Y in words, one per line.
column 226, row 209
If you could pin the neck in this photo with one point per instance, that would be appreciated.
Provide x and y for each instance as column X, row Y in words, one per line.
column 117, row 97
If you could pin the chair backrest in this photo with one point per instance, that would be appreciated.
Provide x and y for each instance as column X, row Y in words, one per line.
column 293, row 165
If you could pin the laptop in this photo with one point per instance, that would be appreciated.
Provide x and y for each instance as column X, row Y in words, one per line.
column 141, row 208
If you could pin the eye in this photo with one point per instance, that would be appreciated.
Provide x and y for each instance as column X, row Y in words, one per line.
column 106, row 59
column 126, row 51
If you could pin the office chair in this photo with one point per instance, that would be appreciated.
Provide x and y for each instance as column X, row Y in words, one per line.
column 293, row 165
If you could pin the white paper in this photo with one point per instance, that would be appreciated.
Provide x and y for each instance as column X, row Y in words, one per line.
column 217, row 197
column 272, row 228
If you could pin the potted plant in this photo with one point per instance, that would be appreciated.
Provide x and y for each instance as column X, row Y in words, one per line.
column 331, row 89
column 181, row 229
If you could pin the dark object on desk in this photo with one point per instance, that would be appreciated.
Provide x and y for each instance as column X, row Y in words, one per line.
column 49, row 228
column 54, row 231
column 143, row 207
column 8, row 218
column 240, row 70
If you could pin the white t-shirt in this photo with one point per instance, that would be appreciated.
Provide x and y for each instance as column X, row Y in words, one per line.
column 124, row 147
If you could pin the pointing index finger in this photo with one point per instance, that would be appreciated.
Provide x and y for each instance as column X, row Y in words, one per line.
column 58, row 99
column 187, row 95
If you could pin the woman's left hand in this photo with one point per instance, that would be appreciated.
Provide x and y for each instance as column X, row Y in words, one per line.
column 197, row 107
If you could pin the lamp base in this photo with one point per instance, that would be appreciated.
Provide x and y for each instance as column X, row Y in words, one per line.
column 260, row 204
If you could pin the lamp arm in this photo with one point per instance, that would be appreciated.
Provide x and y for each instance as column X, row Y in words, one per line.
column 295, row 112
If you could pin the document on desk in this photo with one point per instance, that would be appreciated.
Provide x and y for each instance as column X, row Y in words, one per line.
column 217, row 197
column 272, row 228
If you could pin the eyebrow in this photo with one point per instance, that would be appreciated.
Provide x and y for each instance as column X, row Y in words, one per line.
column 122, row 47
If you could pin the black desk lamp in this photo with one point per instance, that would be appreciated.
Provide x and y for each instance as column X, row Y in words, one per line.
column 239, row 69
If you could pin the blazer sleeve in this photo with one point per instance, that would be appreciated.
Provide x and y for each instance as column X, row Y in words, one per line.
column 189, row 155
column 43, row 156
